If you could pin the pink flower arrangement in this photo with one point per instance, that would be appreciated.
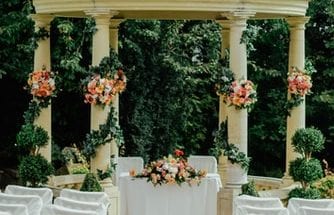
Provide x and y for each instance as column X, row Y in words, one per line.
column 242, row 94
column 41, row 83
column 170, row 170
column 299, row 83
column 102, row 90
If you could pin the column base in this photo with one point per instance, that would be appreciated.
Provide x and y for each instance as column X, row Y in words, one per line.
column 225, row 200
column 114, row 197
column 287, row 180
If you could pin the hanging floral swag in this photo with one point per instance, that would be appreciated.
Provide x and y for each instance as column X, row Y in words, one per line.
column 238, row 93
column 41, row 85
column 100, row 89
column 299, row 85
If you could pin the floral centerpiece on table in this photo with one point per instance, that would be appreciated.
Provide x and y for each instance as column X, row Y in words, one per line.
column 41, row 84
column 101, row 90
column 242, row 94
column 173, row 169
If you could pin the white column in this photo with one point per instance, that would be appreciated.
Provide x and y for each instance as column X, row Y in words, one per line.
column 42, row 57
column 225, row 45
column 99, row 114
column 237, row 119
column 113, row 29
column 296, row 119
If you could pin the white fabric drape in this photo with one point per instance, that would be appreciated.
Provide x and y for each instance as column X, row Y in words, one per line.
column 45, row 193
column 249, row 210
column 17, row 209
column 295, row 203
column 58, row 210
column 207, row 163
column 315, row 211
column 138, row 197
column 32, row 202
column 98, row 197
column 77, row 205
column 125, row 164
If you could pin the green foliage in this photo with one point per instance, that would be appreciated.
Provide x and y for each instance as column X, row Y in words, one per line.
column 16, row 40
column 32, row 113
column 108, row 173
column 220, row 141
column 309, row 193
column 107, row 132
column 308, row 140
column 249, row 189
column 230, row 150
column 34, row 170
column 31, row 137
column 80, row 169
column 170, row 101
column 325, row 186
column 91, row 184
column 235, row 156
column 305, row 171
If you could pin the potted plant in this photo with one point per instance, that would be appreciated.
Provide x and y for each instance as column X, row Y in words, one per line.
column 306, row 169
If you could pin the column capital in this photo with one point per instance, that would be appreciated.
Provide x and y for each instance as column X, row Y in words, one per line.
column 224, row 23
column 114, row 23
column 101, row 16
column 297, row 22
column 42, row 20
column 238, row 17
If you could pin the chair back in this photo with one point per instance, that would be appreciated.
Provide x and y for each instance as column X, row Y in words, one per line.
column 32, row 202
column 295, row 203
column 207, row 163
column 78, row 205
column 59, row 210
column 315, row 211
column 258, row 202
column 125, row 164
column 248, row 210
column 97, row 197
column 13, row 209
column 45, row 193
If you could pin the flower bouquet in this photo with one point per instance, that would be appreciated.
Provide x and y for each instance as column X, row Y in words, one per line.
column 299, row 83
column 170, row 170
column 242, row 94
column 101, row 90
column 41, row 84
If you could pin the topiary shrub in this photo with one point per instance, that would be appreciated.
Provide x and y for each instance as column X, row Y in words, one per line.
column 34, row 170
column 249, row 189
column 306, row 169
column 308, row 140
column 91, row 184
column 308, row 193
column 31, row 138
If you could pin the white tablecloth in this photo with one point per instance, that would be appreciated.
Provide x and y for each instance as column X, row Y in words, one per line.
column 139, row 197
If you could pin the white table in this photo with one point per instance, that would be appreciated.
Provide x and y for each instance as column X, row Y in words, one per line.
column 139, row 197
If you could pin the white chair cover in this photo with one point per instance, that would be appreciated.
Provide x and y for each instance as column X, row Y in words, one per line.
column 125, row 164
column 77, row 205
column 249, row 210
column 58, row 210
column 33, row 203
column 295, row 203
column 4, row 213
column 259, row 202
column 45, row 193
column 315, row 211
column 97, row 197
column 17, row 209
column 207, row 163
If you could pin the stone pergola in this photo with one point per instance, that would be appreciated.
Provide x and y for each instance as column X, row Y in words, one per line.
column 232, row 15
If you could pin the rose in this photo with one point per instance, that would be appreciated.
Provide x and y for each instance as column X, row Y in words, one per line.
column 178, row 152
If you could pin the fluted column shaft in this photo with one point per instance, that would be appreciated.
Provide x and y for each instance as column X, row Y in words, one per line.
column 42, row 57
column 113, row 29
column 100, row 114
column 296, row 119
